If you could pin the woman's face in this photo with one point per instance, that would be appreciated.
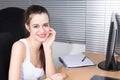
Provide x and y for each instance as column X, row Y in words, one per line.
column 39, row 26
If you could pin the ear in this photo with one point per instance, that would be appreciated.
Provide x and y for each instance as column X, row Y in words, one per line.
column 27, row 27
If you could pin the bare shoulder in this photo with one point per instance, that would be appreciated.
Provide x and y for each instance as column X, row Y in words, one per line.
column 17, row 57
column 19, row 44
column 18, row 49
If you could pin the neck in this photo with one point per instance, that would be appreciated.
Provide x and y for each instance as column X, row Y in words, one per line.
column 34, row 44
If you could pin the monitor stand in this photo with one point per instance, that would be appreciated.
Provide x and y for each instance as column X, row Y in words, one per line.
column 113, row 65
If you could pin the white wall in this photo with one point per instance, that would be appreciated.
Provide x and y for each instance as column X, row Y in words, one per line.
column 60, row 48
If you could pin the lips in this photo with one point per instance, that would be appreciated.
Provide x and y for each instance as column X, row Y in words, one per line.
column 42, row 35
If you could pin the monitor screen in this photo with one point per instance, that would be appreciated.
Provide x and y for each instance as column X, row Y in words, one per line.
column 117, row 47
column 110, row 63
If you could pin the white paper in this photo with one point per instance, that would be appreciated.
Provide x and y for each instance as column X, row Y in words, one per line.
column 71, row 61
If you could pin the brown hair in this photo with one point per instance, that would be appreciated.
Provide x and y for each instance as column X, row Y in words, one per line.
column 36, row 9
column 33, row 9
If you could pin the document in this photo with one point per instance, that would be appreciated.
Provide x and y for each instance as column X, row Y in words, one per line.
column 75, row 61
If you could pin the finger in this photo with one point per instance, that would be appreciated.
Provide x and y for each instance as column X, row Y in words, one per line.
column 52, row 30
column 62, row 75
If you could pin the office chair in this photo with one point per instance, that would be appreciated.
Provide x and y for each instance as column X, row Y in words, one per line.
column 11, row 30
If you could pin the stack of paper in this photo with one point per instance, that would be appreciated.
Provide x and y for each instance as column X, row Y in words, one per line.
column 75, row 60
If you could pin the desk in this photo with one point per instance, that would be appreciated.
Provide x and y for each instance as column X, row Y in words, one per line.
column 86, row 73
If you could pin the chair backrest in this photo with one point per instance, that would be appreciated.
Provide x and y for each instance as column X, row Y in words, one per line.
column 12, row 20
column 11, row 29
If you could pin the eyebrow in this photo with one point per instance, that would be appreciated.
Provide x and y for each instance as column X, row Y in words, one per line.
column 35, row 24
column 46, row 23
column 43, row 23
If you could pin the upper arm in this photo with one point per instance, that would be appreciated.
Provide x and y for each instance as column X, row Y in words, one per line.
column 17, row 57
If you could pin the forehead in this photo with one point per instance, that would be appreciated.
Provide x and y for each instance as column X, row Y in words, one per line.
column 39, row 18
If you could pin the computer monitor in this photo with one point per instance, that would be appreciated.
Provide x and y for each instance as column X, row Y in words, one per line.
column 110, row 63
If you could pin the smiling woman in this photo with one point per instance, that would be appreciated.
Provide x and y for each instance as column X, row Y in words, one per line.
column 31, row 57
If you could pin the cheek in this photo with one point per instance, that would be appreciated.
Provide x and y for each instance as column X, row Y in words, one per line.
column 34, row 31
column 47, row 30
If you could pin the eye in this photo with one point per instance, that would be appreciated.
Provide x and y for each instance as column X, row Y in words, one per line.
column 46, row 25
column 35, row 26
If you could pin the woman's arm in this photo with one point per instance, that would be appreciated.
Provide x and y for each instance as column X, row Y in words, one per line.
column 17, row 57
column 50, row 67
column 57, row 76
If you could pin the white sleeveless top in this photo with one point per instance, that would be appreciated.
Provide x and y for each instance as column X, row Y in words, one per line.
column 28, row 70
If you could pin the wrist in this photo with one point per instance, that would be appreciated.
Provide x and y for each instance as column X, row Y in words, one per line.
column 47, row 45
column 48, row 50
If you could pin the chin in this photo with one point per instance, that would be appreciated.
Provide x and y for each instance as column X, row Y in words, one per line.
column 42, row 40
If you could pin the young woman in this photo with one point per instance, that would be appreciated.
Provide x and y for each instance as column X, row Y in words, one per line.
column 31, row 57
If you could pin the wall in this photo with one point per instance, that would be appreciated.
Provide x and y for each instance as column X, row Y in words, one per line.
column 60, row 48
column 14, row 3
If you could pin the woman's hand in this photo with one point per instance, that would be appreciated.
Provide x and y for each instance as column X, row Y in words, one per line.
column 57, row 76
column 48, row 42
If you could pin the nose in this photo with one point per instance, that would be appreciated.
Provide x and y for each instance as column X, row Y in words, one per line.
column 42, row 30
